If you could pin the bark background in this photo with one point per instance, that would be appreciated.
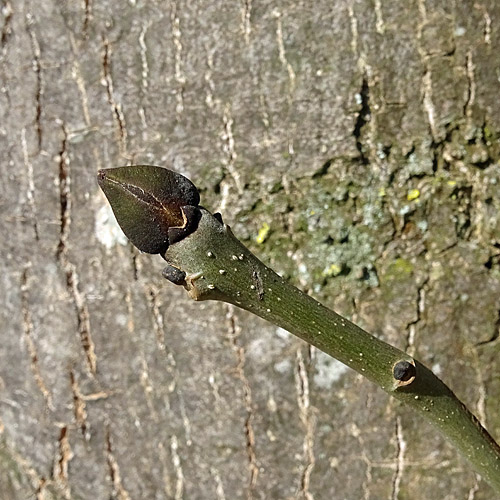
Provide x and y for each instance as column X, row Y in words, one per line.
column 352, row 144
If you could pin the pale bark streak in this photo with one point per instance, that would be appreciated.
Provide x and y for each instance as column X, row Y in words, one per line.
column 246, row 12
column 354, row 30
column 87, row 4
column 487, row 22
column 219, row 486
column 30, row 192
column 306, row 414
column 368, row 479
column 148, row 388
column 37, row 68
column 209, row 99
column 227, row 138
column 69, row 268
column 179, row 474
column 233, row 334
column 76, row 73
column 400, row 460
column 79, row 406
column 426, row 83
column 474, row 489
column 480, row 386
column 116, row 107
column 380, row 25
column 60, row 470
column 118, row 491
column 152, row 295
column 166, row 480
column 419, row 317
column 28, row 338
column 179, row 74
column 143, row 50
column 471, row 87
column 282, row 53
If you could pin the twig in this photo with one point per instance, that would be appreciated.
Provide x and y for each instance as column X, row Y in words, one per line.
column 205, row 257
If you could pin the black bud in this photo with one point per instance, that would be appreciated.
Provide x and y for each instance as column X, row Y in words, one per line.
column 404, row 371
column 174, row 275
column 154, row 206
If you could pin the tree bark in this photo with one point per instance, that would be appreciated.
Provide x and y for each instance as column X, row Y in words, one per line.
column 352, row 145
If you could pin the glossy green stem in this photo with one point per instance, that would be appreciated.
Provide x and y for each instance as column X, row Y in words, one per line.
column 219, row 267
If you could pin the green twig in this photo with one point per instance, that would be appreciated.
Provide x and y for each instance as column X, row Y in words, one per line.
column 212, row 264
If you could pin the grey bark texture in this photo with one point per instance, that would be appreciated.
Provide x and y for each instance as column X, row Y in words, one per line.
column 353, row 145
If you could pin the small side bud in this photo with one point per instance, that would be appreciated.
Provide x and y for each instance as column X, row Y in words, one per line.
column 174, row 275
column 404, row 373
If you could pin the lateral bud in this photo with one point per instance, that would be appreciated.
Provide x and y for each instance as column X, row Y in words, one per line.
column 174, row 275
column 404, row 373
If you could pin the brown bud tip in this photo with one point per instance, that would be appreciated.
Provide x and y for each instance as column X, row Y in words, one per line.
column 150, row 203
column 404, row 372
